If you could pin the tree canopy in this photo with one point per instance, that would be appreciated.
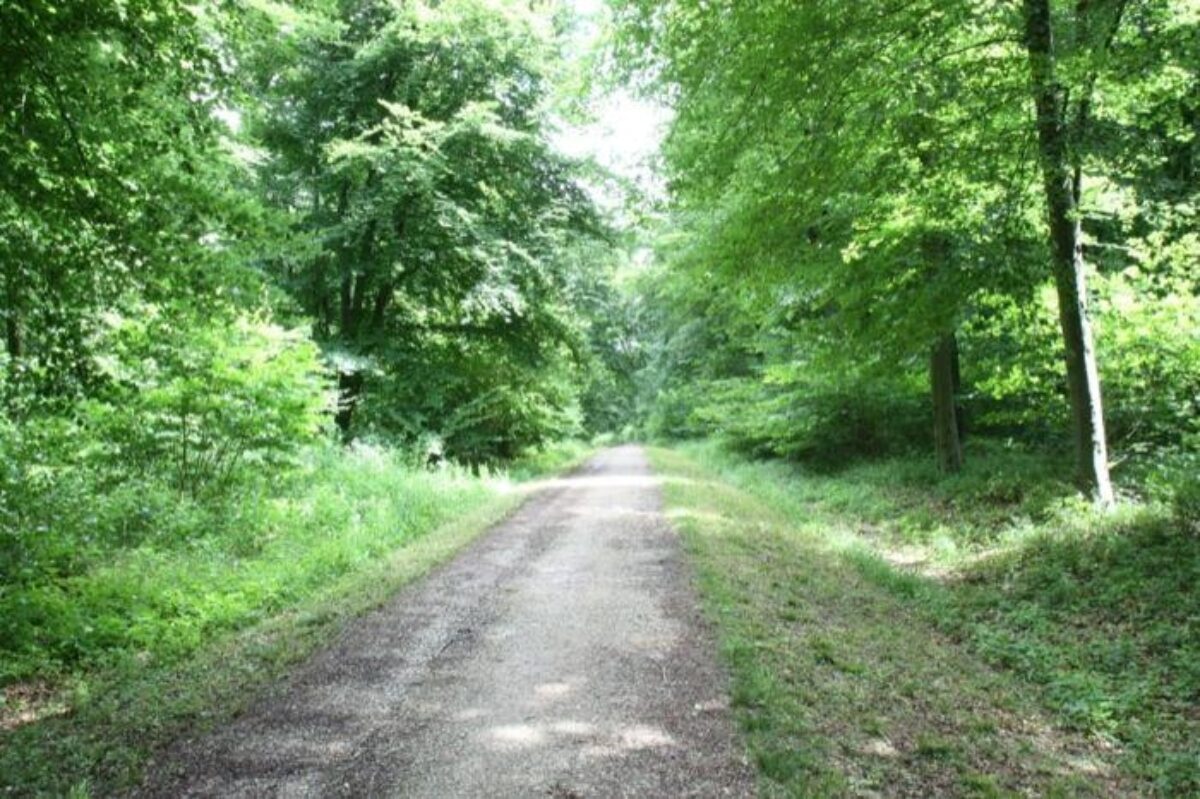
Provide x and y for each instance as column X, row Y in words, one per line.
column 877, row 181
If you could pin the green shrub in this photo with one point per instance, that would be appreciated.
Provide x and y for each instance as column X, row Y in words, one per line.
column 187, row 419
column 483, row 411
column 198, row 403
column 1149, row 358
column 824, row 425
column 1187, row 500
column 1175, row 480
column 210, row 567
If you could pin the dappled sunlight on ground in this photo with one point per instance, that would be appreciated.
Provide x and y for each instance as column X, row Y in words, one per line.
column 25, row 703
column 553, row 690
column 909, row 557
column 684, row 513
column 560, row 655
column 599, row 740
column 28, row 702
column 832, row 621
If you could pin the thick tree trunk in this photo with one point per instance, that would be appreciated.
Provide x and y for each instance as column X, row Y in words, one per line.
column 942, row 368
column 379, row 311
column 362, row 286
column 1062, row 186
column 14, row 334
column 936, row 249
column 346, row 302
column 321, row 305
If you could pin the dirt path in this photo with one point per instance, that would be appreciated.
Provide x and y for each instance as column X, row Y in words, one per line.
column 562, row 655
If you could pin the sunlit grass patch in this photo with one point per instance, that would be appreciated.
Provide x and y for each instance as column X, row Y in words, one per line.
column 1050, row 662
column 177, row 637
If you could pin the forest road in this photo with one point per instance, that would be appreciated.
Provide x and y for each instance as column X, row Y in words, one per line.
column 561, row 655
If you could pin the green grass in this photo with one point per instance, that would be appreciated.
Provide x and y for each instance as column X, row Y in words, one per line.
column 983, row 635
column 170, row 637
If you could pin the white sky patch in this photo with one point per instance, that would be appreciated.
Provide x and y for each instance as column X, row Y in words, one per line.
column 231, row 117
column 625, row 137
column 626, row 133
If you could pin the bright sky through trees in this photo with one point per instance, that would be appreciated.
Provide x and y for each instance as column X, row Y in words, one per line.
column 625, row 131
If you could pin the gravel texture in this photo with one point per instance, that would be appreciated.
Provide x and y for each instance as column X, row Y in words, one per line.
column 561, row 655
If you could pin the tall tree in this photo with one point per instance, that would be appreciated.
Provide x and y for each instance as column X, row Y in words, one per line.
column 818, row 149
column 853, row 157
column 410, row 147
column 1063, row 115
column 117, row 181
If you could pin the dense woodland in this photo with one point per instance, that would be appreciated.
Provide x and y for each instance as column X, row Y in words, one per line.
column 985, row 207
column 271, row 269
column 229, row 233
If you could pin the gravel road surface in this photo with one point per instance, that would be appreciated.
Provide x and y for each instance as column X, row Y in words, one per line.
column 563, row 655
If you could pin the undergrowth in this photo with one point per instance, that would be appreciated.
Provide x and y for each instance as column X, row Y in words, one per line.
column 1096, row 611
column 103, row 665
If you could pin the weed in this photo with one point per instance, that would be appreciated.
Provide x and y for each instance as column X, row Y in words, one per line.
column 162, row 639
column 1024, row 604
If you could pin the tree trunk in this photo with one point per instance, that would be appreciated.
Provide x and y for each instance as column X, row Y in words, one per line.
column 960, row 415
column 350, row 386
column 1062, row 187
column 379, row 311
column 321, row 305
column 14, row 334
column 346, row 302
column 942, row 367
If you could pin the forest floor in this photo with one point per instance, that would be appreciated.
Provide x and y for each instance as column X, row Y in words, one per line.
column 887, row 637
column 610, row 636
column 564, row 654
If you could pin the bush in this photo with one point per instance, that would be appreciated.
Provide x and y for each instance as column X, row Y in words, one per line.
column 1182, row 486
column 1187, row 502
column 1149, row 358
column 198, row 403
column 1175, row 481
column 481, row 411
column 186, row 418
column 200, row 568
column 822, row 424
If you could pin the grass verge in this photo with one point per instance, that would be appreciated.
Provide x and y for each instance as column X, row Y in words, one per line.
column 196, row 630
column 892, row 634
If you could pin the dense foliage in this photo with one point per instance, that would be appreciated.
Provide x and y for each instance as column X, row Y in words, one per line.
column 866, row 206
column 283, row 283
column 232, row 233
column 407, row 144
